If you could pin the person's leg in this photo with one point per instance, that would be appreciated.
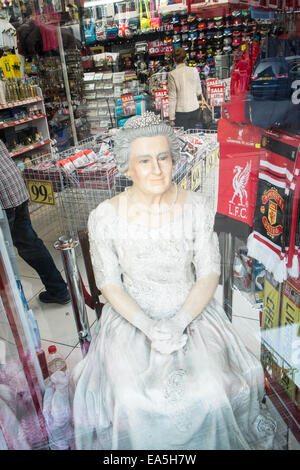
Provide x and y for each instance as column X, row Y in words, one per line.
column 181, row 120
column 33, row 251
column 193, row 119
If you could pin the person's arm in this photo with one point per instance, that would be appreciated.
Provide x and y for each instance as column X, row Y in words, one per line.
column 198, row 84
column 172, row 98
column 201, row 294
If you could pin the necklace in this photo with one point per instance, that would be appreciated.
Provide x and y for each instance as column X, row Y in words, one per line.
column 161, row 211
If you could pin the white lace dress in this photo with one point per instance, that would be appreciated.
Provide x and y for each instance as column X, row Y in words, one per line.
column 129, row 396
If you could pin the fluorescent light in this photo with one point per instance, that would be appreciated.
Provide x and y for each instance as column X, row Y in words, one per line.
column 96, row 3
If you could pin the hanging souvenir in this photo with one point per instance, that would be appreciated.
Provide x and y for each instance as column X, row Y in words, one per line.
column 90, row 31
column 154, row 21
column 144, row 22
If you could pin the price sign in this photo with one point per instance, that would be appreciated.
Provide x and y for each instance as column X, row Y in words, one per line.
column 196, row 176
column 217, row 95
column 41, row 191
column 212, row 159
column 183, row 183
column 158, row 95
column 210, row 82
column 165, row 106
column 128, row 104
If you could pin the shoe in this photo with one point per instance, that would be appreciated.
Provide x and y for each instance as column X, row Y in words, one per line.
column 47, row 298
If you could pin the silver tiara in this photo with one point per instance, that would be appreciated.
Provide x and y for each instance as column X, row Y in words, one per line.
column 144, row 120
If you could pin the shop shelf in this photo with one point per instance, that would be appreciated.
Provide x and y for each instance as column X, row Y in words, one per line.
column 21, row 121
column 16, row 153
column 21, row 103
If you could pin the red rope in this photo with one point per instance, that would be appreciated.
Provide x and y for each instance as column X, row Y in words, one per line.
column 88, row 299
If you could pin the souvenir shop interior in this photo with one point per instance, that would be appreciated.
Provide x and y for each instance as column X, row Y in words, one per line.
column 71, row 76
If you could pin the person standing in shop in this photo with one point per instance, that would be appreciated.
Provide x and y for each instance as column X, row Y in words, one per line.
column 14, row 200
column 184, row 88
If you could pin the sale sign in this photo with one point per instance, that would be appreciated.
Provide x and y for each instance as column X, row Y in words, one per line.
column 128, row 104
column 217, row 95
column 158, row 95
column 165, row 106
column 210, row 82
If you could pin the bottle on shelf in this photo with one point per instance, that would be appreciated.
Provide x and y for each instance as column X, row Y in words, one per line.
column 55, row 361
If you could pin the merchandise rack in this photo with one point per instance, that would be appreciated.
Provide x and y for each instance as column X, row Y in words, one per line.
column 75, row 197
column 80, row 196
column 21, row 121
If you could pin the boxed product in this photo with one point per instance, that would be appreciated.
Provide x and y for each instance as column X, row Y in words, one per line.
column 66, row 165
column 290, row 334
column 91, row 155
column 79, row 160
column 97, row 175
column 45, row 171
column 270, row 315
column 259, row 281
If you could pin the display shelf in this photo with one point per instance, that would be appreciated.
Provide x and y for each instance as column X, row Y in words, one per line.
column 282, row 402
column 29, row 148
column 22, row 121
column 21, row 103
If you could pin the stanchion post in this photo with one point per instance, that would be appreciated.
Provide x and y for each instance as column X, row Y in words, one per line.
column 228, row 273
column 67, row 247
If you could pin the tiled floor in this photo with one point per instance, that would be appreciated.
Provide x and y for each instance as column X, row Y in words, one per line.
column 57, row 325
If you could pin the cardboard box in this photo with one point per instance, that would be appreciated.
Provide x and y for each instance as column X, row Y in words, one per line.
column 290, row 330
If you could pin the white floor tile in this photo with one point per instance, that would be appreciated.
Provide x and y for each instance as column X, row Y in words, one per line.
column 26, row 270
column 73, row 359
column 56, row 322
column 31, row 287
column 249, row 332
column 244, row 306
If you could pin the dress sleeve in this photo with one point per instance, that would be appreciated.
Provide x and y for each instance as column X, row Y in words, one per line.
column 102, row 250
column 206, row 256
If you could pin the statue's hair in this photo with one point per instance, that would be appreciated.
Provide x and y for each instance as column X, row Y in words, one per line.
column 127, row 135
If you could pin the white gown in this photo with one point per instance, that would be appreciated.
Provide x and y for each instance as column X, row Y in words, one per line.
column 129, row 396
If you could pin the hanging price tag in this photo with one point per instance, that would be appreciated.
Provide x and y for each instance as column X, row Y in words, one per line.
column 196, row 176
column 41, row 191
column 128, row 104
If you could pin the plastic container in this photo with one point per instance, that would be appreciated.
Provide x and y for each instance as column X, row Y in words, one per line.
column 55, row 361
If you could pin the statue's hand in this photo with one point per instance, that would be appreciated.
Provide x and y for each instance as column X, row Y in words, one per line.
column 170, row 346
column 175, row 325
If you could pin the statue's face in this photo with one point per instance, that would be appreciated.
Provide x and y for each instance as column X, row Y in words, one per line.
column 150, row 164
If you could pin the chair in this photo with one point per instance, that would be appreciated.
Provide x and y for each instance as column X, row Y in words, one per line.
column 95, row 292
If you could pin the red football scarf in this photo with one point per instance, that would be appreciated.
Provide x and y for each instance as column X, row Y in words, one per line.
column 239, row 83
column 275, row 222
column 238, row 176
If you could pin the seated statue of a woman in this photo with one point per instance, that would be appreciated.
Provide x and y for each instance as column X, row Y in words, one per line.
column 165, row 369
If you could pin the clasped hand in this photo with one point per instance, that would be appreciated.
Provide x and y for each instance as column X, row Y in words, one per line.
column 165, row 335
column 168, row 334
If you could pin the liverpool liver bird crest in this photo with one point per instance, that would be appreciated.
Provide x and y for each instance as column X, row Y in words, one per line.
column 239, row 183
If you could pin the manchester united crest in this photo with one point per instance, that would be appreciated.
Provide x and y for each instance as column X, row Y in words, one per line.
column 272, row 205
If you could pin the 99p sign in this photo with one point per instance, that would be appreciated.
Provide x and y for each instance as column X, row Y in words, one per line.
column 41, row 191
